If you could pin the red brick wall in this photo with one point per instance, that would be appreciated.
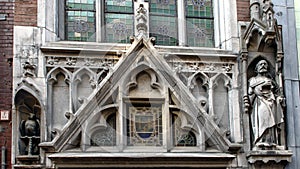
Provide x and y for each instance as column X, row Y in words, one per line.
column 243, row 11
column 25, row 12
column 6, row 55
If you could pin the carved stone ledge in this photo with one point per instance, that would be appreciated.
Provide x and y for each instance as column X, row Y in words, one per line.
column 28, row 159
column 272, row 159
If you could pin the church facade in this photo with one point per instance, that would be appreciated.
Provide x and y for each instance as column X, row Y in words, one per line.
column 154, row 83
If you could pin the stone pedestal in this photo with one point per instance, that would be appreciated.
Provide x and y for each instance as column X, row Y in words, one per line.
column 269, row 159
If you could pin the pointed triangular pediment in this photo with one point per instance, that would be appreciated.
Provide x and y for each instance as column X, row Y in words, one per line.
column 260, row 35
column 255, row 25
column 141, row 55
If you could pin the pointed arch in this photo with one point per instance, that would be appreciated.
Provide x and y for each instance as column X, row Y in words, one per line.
column 198, row 84
column 192, row 81
column 186, row 131
column 100, row 129
column 222, row 106
column 84, row 82
column 221, row 76
column 52, row 75
column 143, row 71
column 58, row 91
column 29, row 87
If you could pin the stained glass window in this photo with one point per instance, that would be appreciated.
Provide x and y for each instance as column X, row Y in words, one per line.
column 163, row 22
column 105, row 136
column 144, row 126
column 119, row 21
column 182, row 137
column 80, row 20
column 199, row 23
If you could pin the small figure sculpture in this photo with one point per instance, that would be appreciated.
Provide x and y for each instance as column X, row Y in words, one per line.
column 30, row 135
column 266, row 109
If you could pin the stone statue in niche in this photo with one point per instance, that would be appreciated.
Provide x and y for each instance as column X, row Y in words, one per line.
column 267, row 111
column 30, row 136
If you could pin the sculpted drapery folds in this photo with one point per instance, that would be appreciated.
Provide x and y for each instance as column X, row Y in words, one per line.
column 267, row 111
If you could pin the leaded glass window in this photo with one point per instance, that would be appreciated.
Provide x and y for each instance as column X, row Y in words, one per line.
column 105, row 136
column 80, row 20
column 119, row 21
column 182, row 137
column 163, row 22
column 144, row 126
column 199, row 23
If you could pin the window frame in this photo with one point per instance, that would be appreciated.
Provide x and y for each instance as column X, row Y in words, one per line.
column 225, row 23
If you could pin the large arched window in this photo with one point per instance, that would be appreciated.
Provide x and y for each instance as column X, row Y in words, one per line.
column 194, row 23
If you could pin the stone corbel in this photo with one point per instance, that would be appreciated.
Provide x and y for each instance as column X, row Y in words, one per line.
column 269, row 159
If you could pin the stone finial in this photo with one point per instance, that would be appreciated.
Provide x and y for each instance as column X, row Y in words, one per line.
column 255, row 9
column 268, row 14
column 141, row 19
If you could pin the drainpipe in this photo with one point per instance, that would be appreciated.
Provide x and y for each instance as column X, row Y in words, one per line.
column 3, row 152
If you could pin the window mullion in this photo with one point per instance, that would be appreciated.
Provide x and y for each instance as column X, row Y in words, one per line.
column 181, row 23
column 99, row 22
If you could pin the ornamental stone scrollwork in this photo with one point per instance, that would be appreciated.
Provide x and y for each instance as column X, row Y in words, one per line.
column 70, row 61
column 89, row 61
column 200, row 66
column 52, row 60
column 79, row 62
column 29, row 68
column 227, row 67
column 210, row 67
column 28, row 56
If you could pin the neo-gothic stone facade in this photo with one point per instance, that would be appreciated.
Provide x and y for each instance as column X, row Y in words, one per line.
column 139, row 104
